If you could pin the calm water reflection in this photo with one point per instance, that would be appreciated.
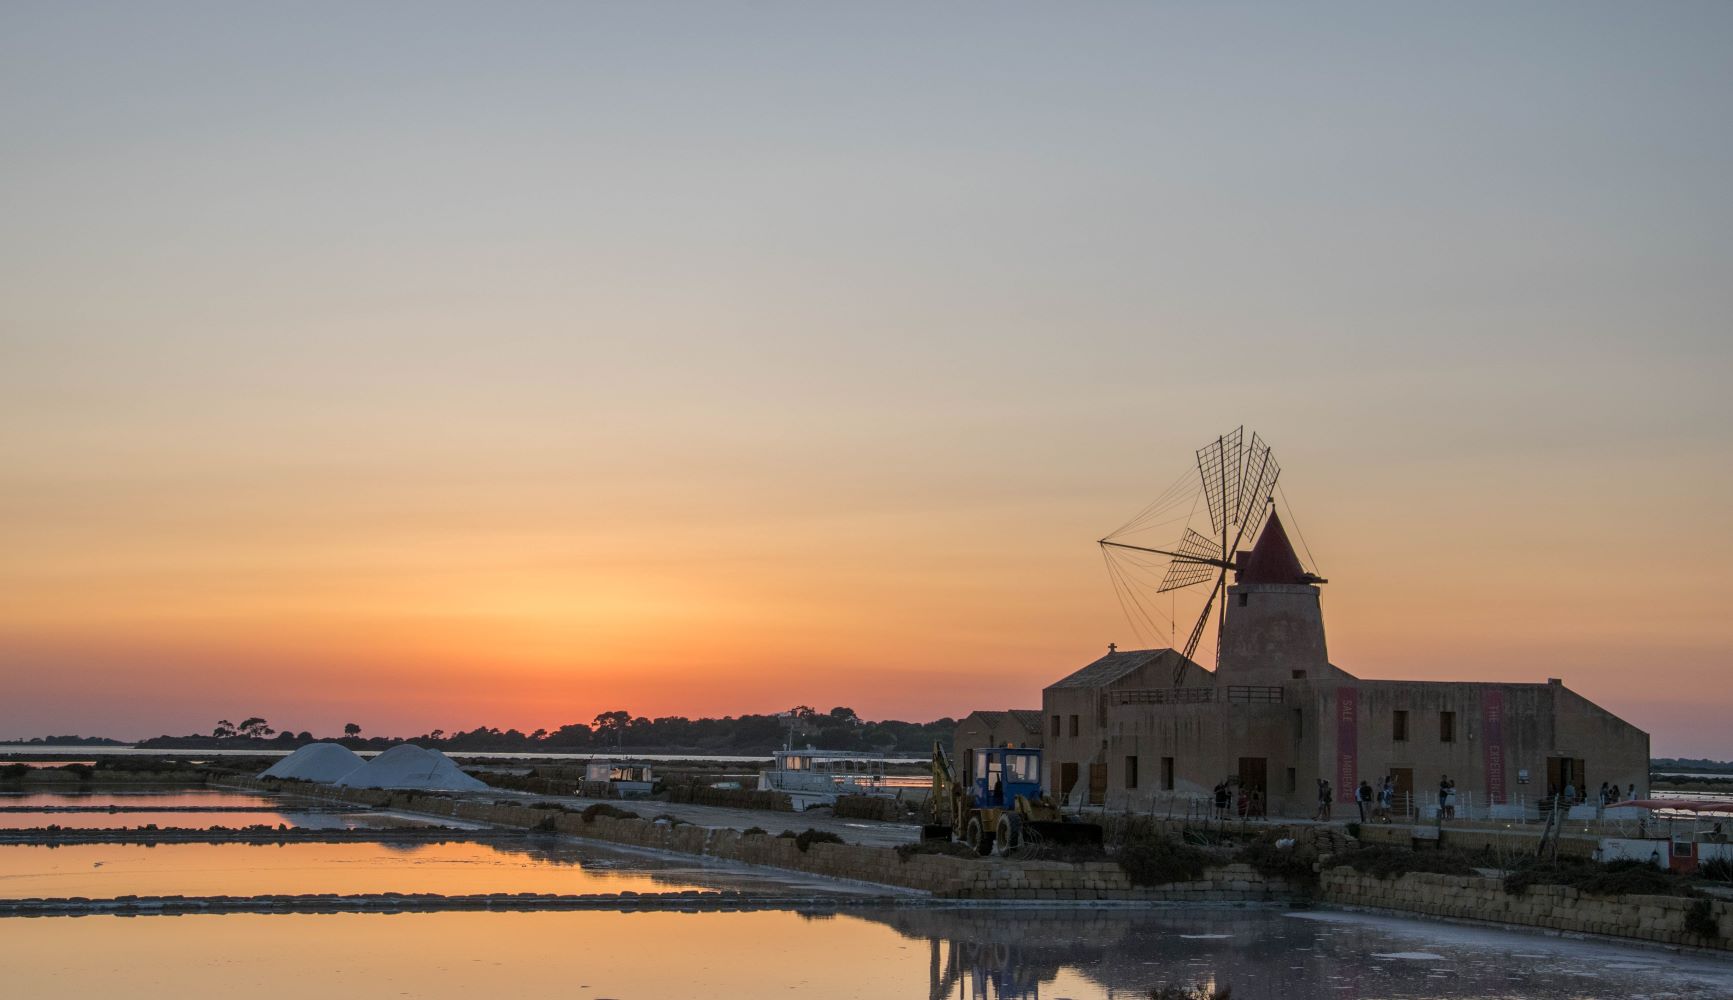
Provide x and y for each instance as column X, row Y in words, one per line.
column 106, row 870
column 949, row 954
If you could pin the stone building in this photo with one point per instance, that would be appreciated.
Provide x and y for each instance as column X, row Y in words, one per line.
column 1149, row 729
column 1015, row 727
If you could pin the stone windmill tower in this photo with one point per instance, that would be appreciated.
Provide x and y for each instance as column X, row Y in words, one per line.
column 1269, row 626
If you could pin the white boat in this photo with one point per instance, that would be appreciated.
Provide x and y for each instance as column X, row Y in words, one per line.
column 1676, row 834
column 608, row 779
column 818, row 777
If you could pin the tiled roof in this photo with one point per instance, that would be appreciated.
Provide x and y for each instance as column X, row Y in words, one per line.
column 1115, row 666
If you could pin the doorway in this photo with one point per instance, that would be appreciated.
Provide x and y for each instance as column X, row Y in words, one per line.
column 1566, row 771
column 1402, row 785
column 1067, row 780
column 1254, row 783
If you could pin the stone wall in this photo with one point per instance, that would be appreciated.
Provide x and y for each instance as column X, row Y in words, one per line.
column 1520, row 841
column 1659, row 919
column 941, row 875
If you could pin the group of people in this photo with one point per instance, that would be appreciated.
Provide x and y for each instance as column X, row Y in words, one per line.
column 1609, row 794
column 1375, row 804
column 1249, row 801
column 1378, row 802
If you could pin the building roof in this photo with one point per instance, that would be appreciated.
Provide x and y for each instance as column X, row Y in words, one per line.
column 1114, row 667
column 1272, row 560
column 1028, row 718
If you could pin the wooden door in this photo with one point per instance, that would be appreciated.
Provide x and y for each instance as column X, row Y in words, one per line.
column 1254, row 774
column 1097, row 784
column 1404, row 788
column 1067, row 780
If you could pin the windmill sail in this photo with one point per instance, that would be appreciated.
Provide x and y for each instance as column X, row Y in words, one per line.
column 1259, row 480
column 1193, row 562
column 1221, row 465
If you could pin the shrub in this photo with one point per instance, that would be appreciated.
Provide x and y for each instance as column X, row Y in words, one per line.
column 944, row 848
column 1278, row 862
column 603, row 809
column 753, row 831
column 1716, row 870
column 806, row 838
column 13, row 772
column 1618, row 878
column 1389, row 862
column 1157, row 860
column 1191, row 993
column 1700, row 919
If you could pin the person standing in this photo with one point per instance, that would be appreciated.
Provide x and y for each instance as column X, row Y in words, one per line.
column 1363, row 797
column 1324, row 795
column 1386, row 798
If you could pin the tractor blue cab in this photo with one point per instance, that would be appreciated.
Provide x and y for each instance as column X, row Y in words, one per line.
column 1003, row 773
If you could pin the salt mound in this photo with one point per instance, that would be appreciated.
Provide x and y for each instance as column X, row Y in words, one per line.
column 316, row 762
column 410, row 766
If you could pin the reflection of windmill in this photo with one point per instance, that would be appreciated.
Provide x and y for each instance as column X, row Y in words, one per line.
column 1237, row 483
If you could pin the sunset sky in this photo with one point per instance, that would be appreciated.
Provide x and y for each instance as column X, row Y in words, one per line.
column 437, row 366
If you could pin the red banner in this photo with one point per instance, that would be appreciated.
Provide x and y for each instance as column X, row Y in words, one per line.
column 1347, row 743
column 1492, row 742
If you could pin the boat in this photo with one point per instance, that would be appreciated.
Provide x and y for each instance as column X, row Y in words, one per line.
column 606, row 779
column 1679, row 835
column 819, row 777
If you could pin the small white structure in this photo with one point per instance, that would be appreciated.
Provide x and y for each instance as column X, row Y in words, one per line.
column 610, row 779
column 817, row 777
column 326, row 762
column 411, row 766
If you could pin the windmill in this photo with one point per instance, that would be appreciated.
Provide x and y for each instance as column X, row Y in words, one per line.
column 1236, row 482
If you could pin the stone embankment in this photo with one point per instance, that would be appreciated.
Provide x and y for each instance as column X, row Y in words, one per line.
column 1658, row 919
column 62, row 836
column 686, row 901
column 943, row 876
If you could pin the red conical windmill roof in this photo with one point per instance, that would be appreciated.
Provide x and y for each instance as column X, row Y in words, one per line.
column 1272, row 559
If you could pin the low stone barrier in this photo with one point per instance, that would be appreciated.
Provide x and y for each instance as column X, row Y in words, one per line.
column 1427, row 836
column 1658, row 919
column 941, row 875
column 688, row 900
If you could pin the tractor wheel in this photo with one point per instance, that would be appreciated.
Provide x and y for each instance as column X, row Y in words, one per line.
column 978, row 838
column 1010, row 833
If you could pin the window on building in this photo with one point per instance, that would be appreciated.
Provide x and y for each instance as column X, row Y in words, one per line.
column 1299, row 675
column 1399, row 726
column 1056, row 725
column 1074, row 725
column 1447, row 727
column 1243, row 599
column 1131, row 772
column 1167, row 774
column 1293, row 781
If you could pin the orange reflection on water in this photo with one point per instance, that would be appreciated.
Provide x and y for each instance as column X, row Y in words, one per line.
column 105, row 870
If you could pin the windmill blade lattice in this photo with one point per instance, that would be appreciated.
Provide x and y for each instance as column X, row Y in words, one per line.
column 1221, row 465
column 1193, row 564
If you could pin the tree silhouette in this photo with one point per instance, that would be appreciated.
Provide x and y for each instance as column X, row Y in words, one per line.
column 255, row 728
column 351, row 730
column 224, row 730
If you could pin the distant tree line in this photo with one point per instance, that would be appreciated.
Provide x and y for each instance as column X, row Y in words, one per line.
column 801, row 726
column 91, row 741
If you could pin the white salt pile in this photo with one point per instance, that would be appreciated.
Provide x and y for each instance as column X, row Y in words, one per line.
column 410, row 766
column 316, row 762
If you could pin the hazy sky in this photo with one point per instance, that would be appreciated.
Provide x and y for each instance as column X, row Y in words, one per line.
column 432, row 366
